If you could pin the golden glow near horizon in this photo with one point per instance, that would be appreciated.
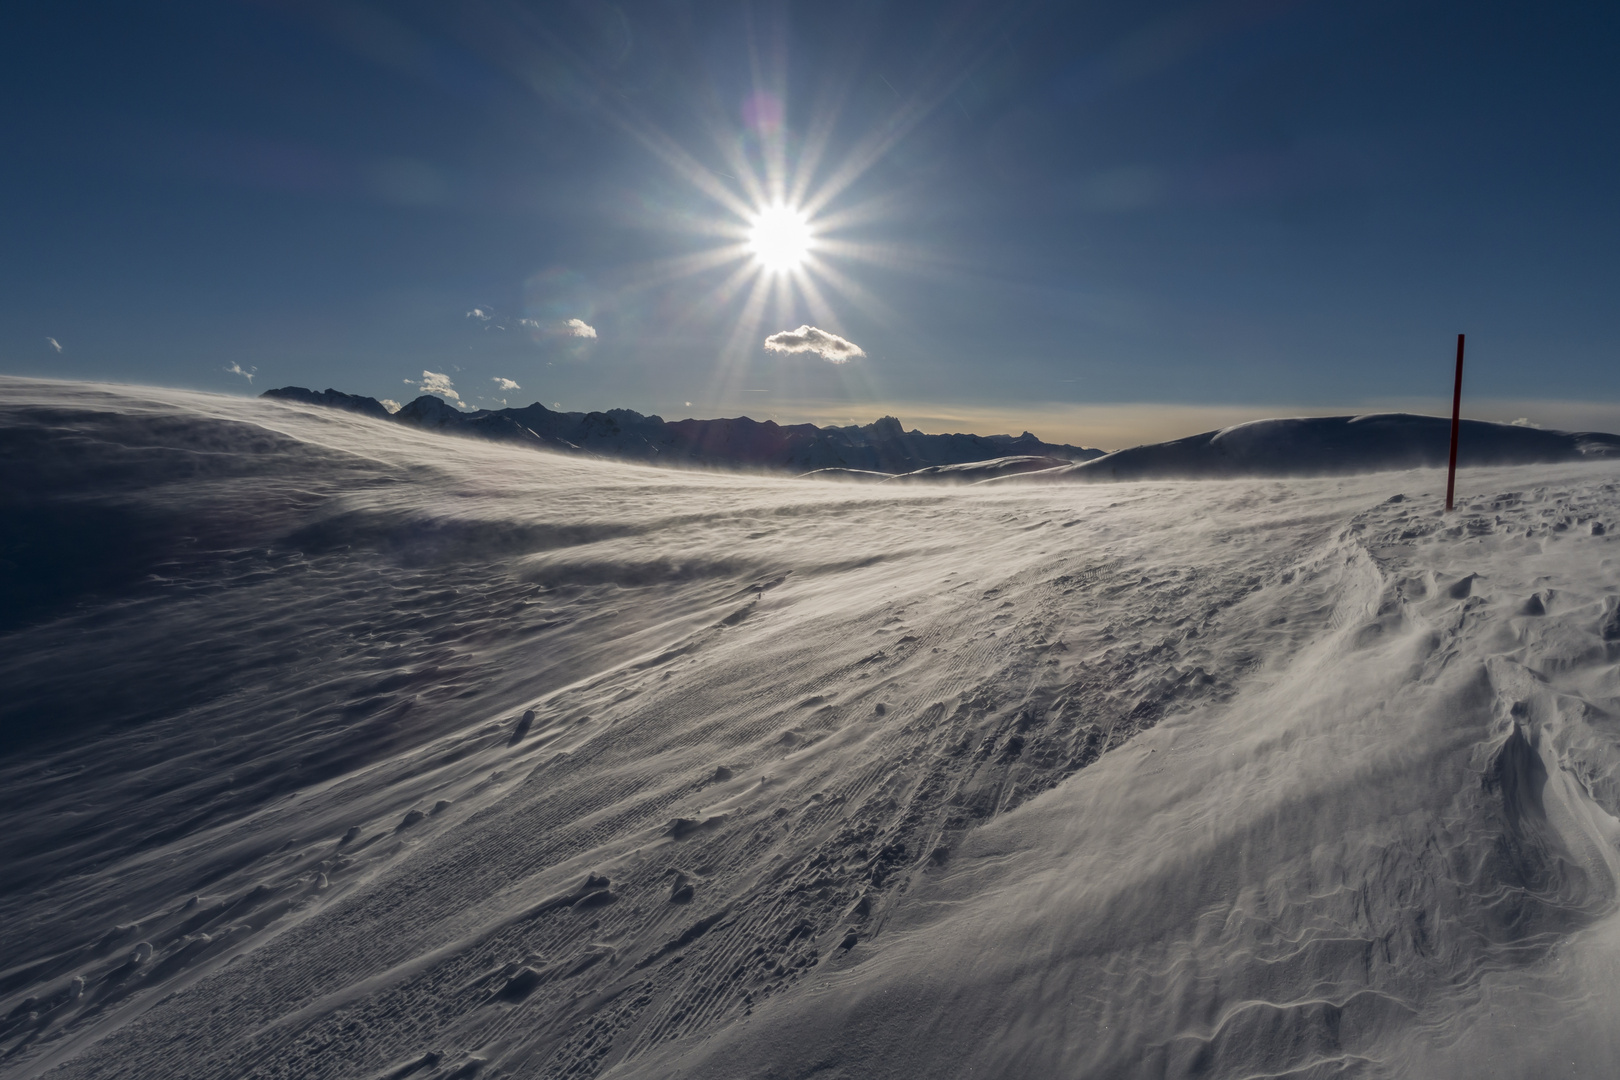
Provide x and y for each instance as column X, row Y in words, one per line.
column 779, row 238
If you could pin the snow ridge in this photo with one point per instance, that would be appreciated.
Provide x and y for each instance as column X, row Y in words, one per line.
column 1337, row 446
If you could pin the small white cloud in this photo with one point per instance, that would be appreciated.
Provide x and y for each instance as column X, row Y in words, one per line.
column 688, row 404
column 436, row 382
column 1524, row 421
column 390, row 404
column 505, row 384
column 53, row 343
column 557, row 405
column 829, row 347
column 236, row 369
column 480, row 314
column 579, row 328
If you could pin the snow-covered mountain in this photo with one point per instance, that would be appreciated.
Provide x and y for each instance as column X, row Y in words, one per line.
column 1339, row 445
column 330, row 747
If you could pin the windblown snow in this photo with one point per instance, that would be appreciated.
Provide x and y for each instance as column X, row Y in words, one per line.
column 334, row 748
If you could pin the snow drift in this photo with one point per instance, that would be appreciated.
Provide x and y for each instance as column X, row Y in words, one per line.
column 335, row 748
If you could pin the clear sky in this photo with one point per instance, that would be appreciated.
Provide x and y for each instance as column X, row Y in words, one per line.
column 1103, row 222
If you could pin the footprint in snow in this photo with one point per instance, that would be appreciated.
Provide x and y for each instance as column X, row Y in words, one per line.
column 522, row 728
column 520, row 985
column 681, row 826
column 681, row 890
column 410, row 819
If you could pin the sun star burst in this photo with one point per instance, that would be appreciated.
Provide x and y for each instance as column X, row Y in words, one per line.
column 779, row 238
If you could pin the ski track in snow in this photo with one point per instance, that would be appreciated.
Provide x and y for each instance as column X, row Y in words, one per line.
column 334, row 749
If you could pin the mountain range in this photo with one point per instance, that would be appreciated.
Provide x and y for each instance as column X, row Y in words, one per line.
column 883, row 447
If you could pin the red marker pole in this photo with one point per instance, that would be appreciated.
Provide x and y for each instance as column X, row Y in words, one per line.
column 1456, row 422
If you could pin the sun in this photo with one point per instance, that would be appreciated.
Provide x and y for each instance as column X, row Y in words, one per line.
column 780, row 238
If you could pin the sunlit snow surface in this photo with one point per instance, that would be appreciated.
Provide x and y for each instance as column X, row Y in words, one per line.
column 1236, row 778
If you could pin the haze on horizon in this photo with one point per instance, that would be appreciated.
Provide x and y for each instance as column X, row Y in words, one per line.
column 1104, row 223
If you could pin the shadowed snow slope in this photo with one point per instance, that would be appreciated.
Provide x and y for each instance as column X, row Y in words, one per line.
column 1337, row 445
column 333, row 748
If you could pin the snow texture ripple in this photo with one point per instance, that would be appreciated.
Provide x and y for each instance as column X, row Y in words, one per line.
column 332, row 748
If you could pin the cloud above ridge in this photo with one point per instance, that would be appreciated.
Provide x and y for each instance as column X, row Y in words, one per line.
column 505, row 384
column 236, row 369
column 436, row 382
column 808, row 339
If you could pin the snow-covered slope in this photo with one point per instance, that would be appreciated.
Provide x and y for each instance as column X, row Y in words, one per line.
column 977, row 471
column 338, row 749
column 1338, row 445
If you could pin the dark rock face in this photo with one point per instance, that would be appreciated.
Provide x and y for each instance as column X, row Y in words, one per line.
column 881, row 447
column 336, row 399
column 430, row 411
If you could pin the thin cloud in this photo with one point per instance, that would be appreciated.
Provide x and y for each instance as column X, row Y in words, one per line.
column 57, row 345
column 236, row 369
column 808, row 339
column 505, row 384
column 436, row 382
column 544, row 329
column 480, row 314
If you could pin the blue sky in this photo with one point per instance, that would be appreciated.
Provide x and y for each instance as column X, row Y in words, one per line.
column 1102, row 222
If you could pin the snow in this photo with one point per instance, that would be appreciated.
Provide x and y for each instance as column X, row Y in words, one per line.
column 333, row 747
column 977, row 471
column 1330, row 445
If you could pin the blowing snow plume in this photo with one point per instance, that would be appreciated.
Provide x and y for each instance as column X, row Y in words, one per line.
column 808, row 339
column 337, row 748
